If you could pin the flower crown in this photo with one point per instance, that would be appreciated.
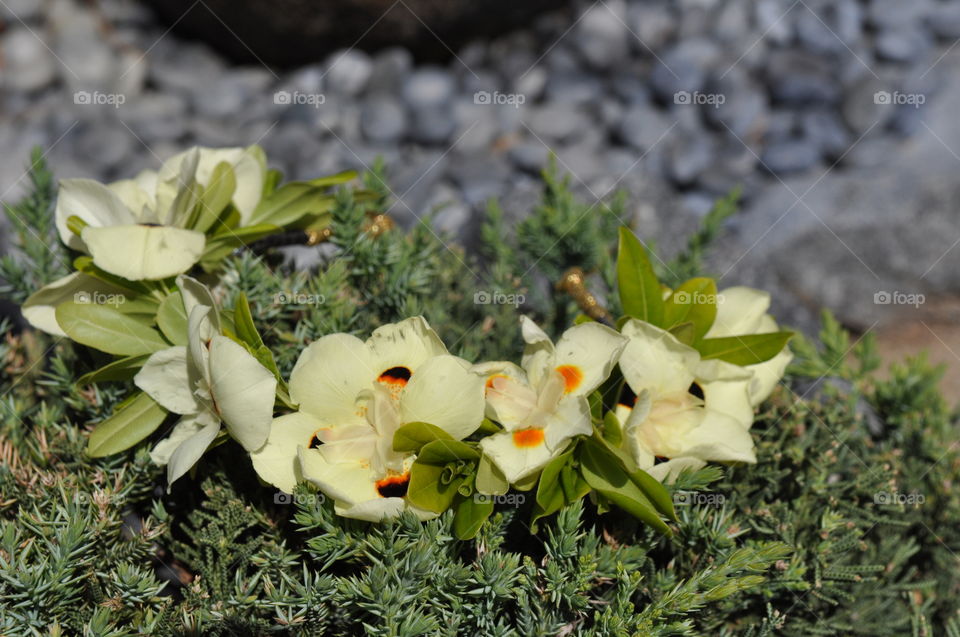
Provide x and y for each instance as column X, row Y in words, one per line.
column 395, row 422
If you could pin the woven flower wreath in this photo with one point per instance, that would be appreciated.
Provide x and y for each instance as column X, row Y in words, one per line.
column 395, row 422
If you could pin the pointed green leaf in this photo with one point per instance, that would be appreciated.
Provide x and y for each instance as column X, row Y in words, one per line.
column 133, row 421
column 246, row 329
column 490, row 480
column 747, row 349
column 172, row 318
column 684, row 332
column 121, row 369
column 108, row 330
column 470, row 515
column 640, row 292
column 414, row 435
column 215, row 197
column 694, row 301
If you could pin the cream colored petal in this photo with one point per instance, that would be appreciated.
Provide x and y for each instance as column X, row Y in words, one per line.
column 376, row 510
column 185, row 428
column 654, row 359
column 143, row 253
column 510, row 401
column 739, row 311
column 498, row 369
column 40, row 307
column 199, row 338
column 571, row 418
column 133, row 196
column 635, row 439
column 92, row 202
column 767, row 375
column 667, row 472
column 244, row 392
column 189, row 451
column 586, row 354
column 277, row 462
column 348, row 482
column 195, row 293
column 719, row 438
column 445, row 393
column 726, row 389
column 539, row 355
column 164, row 378
column 328, row 377
column 516, row 461
column 408, row 344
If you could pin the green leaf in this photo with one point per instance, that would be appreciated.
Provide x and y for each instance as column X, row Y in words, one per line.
column 684, row 332
column 414, row 435
column 612, row 431
column 227, row 240
column 441, row 452
column 694, row 301
column 470, row 515
column 172, row 318
column 133, row 421
column 656, row 492
column 215, row 197
column 605, row 474
column 525, row 484
column 108, row 330
column 490, row 480
column 747, row 349
column 270, row 182
column 85, row 264
column 550, row 495
column 334, row 180
column 246, row 329
column 290, row 202
column 121, row 369
column 640, row 292
column 440, row 469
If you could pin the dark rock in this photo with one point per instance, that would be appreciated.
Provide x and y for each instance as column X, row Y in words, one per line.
column 789, row 156
column 348, row 72
column 800, row 78
column 428, row 87
column 867, row 103
column 601, row 34
column 829, row 26
column 383, row 119
column 904, row 44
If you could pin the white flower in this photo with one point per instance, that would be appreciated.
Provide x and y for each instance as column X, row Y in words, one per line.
column 138, row 228
column 743, row 310
column 212, row 379
column 544, row 405
column 353, row 396
column 687, row 411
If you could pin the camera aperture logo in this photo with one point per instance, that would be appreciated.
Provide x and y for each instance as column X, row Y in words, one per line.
column 99, row 298
column 897, row 98
column 293, row 297
column 496, row 297
column 698, row 98
column 300, row 499
column 683, row 297
column 500, row 99
column 697, row 498
column 896, row 297
column 508, row 499
column 96, row 98
column 286, row 98
column 896, row 497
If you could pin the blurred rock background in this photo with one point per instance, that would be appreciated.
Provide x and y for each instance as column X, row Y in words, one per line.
column 837, row 117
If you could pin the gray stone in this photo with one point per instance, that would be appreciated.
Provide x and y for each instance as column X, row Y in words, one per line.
column 871, row 153
column 529, row 156
column 688, row 155
column 17, row 10
column 390, row 67
column 825, row 129
column 232, row 92
column 683, row 68
column 477, row 125
column 479, row 178
column 601, row 34
column 105, row 144
column 643, row 126
column 652, row 23
column 428, row 87
column 531, row 83
column 904, row 44
column 790, row 155
column 744, row 106
column 383, row 119
column 867, row 104
column 28, row 64
column 944, row 20
column 183, row 67
column 556, row 122
column 770, row 19
column 829, row 26
column 452, row 216
column 883, row 14
column 798, row 77
column 348, row 72
column 89, row 63
column 433, row 124
column 573, row 88
column 156, row 116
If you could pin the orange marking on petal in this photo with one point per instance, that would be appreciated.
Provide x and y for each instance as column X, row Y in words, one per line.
column 315, row 440
column 393, row 486
column 528, row 437
column 572, row 377
column 493, row 378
